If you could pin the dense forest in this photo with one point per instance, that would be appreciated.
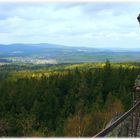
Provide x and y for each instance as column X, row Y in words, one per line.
column 71, row 103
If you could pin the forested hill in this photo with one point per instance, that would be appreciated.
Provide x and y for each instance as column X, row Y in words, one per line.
column 55, row 54
column 71, row 103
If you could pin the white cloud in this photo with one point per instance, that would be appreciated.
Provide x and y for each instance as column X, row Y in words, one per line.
column 91, row 24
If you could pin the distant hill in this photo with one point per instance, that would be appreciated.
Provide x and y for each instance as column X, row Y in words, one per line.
column 53, row 53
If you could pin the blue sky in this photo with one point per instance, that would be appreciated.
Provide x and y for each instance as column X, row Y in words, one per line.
column 93, row 24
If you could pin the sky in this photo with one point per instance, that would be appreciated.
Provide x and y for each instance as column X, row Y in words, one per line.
column 92, row 24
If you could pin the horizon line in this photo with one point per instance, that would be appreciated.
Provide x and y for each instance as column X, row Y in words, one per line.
column 76, row 46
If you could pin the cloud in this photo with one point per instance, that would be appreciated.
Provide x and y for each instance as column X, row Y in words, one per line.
column 82, row 24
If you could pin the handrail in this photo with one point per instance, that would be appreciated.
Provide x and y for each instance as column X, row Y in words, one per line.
column 105, row 131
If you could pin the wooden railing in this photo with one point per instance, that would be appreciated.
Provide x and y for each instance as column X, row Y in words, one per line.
column 110, row 128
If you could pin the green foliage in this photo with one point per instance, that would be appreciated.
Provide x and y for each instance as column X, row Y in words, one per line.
column 77, row 101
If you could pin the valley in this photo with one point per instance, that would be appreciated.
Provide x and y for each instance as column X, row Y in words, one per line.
column 57, row 54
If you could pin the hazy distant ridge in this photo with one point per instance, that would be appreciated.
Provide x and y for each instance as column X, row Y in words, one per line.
column 66, row 54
